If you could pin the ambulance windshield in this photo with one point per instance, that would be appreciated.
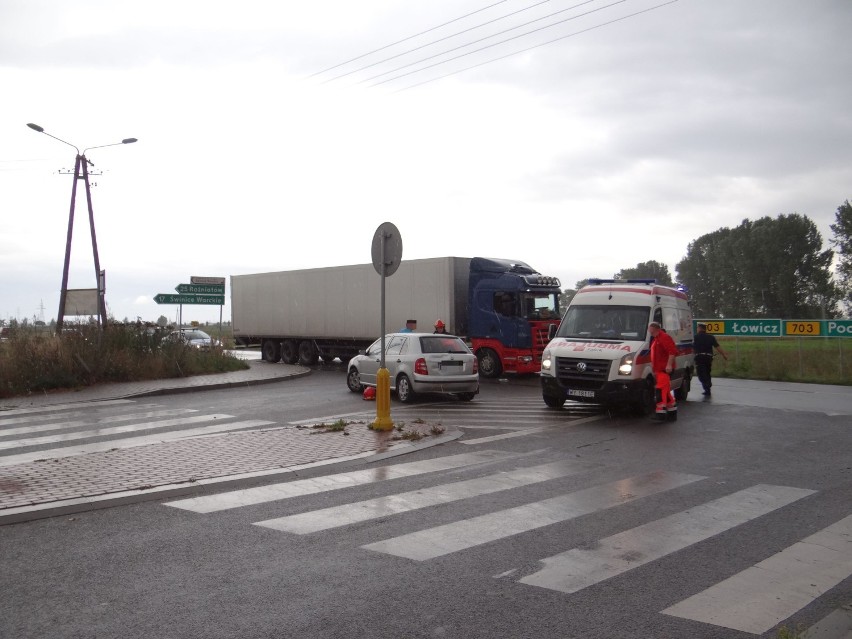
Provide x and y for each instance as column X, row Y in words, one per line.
column 605, row 322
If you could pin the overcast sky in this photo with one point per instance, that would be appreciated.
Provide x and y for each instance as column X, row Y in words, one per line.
column 612, row 138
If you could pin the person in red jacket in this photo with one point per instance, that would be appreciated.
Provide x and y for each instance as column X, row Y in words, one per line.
column 663, row 354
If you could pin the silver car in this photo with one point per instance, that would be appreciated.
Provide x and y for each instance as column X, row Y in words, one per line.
column 418, row 363
column 192, row 337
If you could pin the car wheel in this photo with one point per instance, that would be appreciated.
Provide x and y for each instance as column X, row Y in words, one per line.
column 467, row 397
column 290, row 351
column 403, row 389
column 489, row 363
column 353, row 381
column 644, row 405
column 307, row 353
column 554, row 402
column 681, row 393
column 271, row 350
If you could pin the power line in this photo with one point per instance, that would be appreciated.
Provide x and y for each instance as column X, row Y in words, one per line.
column 452, row 35
column 499, row 33
column 509, row 55
column 387, row 46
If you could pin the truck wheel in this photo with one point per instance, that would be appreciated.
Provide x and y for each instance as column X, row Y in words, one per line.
column 681, row 393
column 353, row 380
column 645, row 404
column 271, row 350
column 404, row 390
column 307, row 353
column 553, row 402
column 290, row 351
column 489, row 363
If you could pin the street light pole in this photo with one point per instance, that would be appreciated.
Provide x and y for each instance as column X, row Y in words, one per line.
column 81, row 172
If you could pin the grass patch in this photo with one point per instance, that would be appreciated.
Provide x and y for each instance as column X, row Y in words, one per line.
column 33, row 361
column 812, row 360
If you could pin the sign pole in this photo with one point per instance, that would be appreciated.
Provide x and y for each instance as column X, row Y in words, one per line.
column 387, row 254
column 383, row 418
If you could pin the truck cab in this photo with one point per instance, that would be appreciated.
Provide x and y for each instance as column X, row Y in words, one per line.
column 601, row 351
column 511, row 309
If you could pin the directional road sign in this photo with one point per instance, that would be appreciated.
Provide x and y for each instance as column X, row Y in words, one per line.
column 171, row 298
column 199, row 279
column 201, row 289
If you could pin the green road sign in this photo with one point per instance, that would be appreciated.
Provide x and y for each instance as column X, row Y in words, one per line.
column 201, row 289
column 171, row 298
column 838, row 328
column 778, row 328
column 754, row 327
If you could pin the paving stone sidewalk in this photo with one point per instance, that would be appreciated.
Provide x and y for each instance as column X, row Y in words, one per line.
column 61, row 485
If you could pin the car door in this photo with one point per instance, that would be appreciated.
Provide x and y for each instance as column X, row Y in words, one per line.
column 395, row 356
column 370, row 362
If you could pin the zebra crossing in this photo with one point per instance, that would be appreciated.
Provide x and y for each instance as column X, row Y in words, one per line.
column 512, row 415
column 754, row 600
column 29, row 434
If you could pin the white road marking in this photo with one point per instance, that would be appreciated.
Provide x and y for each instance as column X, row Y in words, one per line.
column 762, row 596
column 129, row 442
column 578, row 568
column 326, row 518
column 442, row 540
column 114, row 430
column 47, row 409
column 25, row 430
column 301, row 487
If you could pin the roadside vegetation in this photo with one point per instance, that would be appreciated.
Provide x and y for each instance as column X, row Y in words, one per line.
column 811, row 360
column 37, row 361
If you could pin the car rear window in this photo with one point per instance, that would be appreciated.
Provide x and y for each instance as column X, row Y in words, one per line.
column 441, row 344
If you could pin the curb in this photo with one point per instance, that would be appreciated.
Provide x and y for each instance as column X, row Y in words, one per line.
column 176, row 390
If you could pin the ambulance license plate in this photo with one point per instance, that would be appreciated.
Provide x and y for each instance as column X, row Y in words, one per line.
column 580, row 393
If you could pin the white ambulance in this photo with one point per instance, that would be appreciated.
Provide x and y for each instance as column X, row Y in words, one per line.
column 601, row 351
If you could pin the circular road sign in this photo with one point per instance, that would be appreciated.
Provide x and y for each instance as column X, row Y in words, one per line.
column 388, row 263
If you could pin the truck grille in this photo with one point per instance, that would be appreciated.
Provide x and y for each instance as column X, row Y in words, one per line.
column 582, row 373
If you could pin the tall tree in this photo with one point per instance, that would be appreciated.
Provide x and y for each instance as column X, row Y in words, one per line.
column 647, row 270
column 842, row 242
column 766, row 268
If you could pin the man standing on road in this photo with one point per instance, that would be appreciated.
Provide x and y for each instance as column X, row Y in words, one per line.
column 410, row 326
column 704, row 344
column 663, row 358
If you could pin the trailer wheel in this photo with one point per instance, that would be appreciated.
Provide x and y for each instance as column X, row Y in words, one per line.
column 271, row 350
column 489, row 363
column 290, row 351
column 353, row 381
column 404, row 391
column 307, row 353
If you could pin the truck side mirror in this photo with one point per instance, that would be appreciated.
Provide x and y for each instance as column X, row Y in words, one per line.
column 551, row 331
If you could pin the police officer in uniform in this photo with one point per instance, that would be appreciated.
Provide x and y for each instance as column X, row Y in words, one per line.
column 704, row 344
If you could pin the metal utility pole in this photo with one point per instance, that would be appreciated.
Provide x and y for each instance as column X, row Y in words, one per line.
column 81, row 172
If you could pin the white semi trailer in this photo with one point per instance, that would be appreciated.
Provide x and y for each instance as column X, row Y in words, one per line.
column 503, row 307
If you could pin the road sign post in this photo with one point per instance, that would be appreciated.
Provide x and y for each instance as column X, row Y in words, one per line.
column 386, row 252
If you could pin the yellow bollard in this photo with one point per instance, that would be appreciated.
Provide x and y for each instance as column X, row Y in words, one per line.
column 383, row 419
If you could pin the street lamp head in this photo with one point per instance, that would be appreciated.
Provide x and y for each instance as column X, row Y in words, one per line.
column 35, row 127
column 129, row 140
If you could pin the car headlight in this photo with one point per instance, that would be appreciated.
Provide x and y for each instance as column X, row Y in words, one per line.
column 625, row 366
column 546, row 360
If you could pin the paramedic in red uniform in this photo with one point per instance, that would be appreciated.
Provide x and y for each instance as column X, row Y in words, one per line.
column 663, row 353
